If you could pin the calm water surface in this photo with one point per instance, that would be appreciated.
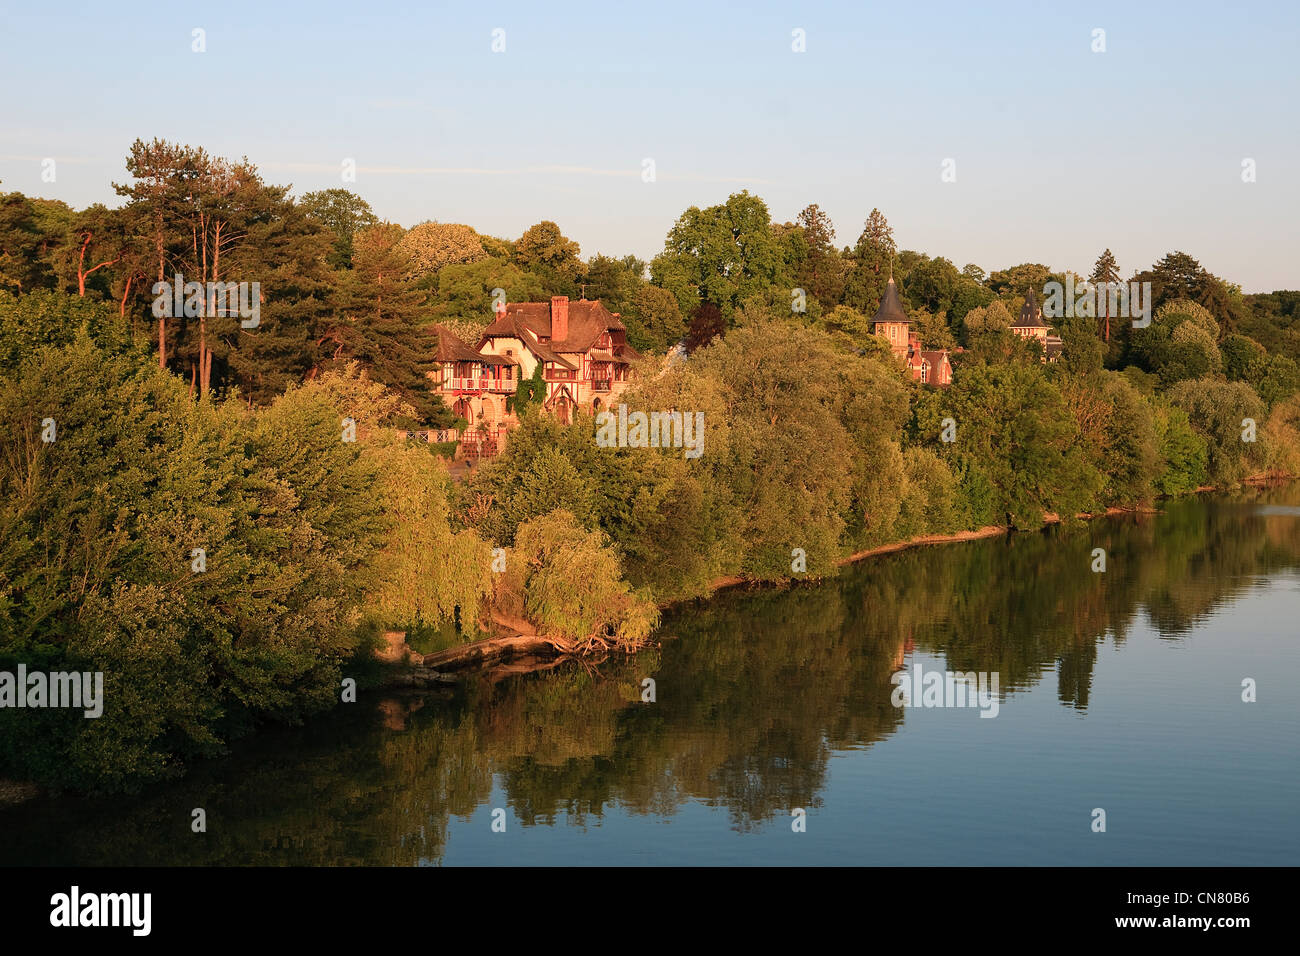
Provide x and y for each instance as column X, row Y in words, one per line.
column 1119, row 690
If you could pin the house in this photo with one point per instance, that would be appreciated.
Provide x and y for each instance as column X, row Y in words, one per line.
column 935, row 368
column 475, row 386
column 1030, row 325
column 930, row 367
column 580, row 346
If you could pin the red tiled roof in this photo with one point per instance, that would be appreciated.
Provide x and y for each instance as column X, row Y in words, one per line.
column 530, row 322
column 453, row 349
column 936, row 358
column 588, row 319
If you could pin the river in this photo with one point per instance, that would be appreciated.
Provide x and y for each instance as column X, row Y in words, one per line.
column 1119, row 690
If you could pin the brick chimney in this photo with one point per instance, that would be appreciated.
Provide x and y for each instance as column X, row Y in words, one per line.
column 559, row 318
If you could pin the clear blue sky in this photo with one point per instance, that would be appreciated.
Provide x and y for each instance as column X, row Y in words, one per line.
column 1059, row 151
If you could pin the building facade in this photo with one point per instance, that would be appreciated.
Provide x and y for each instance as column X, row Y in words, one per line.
column 930, row 367
column 582, row 350
column 1030, row 325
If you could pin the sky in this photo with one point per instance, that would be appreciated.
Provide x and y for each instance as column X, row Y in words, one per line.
column 1058, row 151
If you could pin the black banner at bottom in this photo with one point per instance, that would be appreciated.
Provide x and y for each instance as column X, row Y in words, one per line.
column 213, row 905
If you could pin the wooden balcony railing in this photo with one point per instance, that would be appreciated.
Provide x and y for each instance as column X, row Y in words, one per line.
column 507, row 386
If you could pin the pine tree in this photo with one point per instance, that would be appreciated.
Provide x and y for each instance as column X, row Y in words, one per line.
column 1105, row 271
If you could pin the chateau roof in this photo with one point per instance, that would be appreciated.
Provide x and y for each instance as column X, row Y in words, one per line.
column 454, row 349
column 891, row 306
column 1031, row 315
column 588, row 319
column 530, row 322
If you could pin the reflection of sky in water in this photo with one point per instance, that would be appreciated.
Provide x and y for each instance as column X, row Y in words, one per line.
column 1186, row 772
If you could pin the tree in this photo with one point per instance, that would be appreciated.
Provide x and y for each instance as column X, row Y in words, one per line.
column 655, row 321
column 465, row 292
column 707, row 324
column 1179, row 344
column 873, row 258
column 1105, row 270
column 428, row 574
column 1192, row 354
column 214, row 220
column 1184, row 456
column 1018, row 281
column 161, row 171
column 570, row 583
column 615, row 282
column 1016, row 431
column 25, row 245
column 1116, row 432
column 39, row 320
column 102, row 528
column 1278, row 380
column 1083, row 351
column 987, row 334
column 432, row 245
column 1180, row 276
column 821, row 274
column 932, row 329
column 342, row 212
column 721, row 255
column 936, row 285
column 848, row 321
column 544, row 251
column 1218, row 410
column 1243, row 358
column 381, row 327
column 101, row 235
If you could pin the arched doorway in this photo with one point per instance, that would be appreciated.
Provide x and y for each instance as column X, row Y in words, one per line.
column 562, row 407
column 463, row 409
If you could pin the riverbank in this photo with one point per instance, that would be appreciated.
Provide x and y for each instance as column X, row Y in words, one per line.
column 433, row 669
column 988, row 531
column 437, row 668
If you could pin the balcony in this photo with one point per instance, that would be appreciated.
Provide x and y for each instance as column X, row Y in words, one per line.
column 478, row 385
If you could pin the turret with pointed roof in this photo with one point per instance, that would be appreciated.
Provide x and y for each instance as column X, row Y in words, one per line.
column 891, row 306
column 1031, row 314
column 892, row 323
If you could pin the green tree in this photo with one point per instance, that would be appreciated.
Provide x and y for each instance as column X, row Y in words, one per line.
column 822, row 272
column 433, row 245
column 1218, row 410
column 1014, row 428
column 655, row 321
column 872, row 261
column 343, row 213
column 544, row 251
column 381, row 325
column 570, row 583
column 1105, row 270
column 721, row 255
